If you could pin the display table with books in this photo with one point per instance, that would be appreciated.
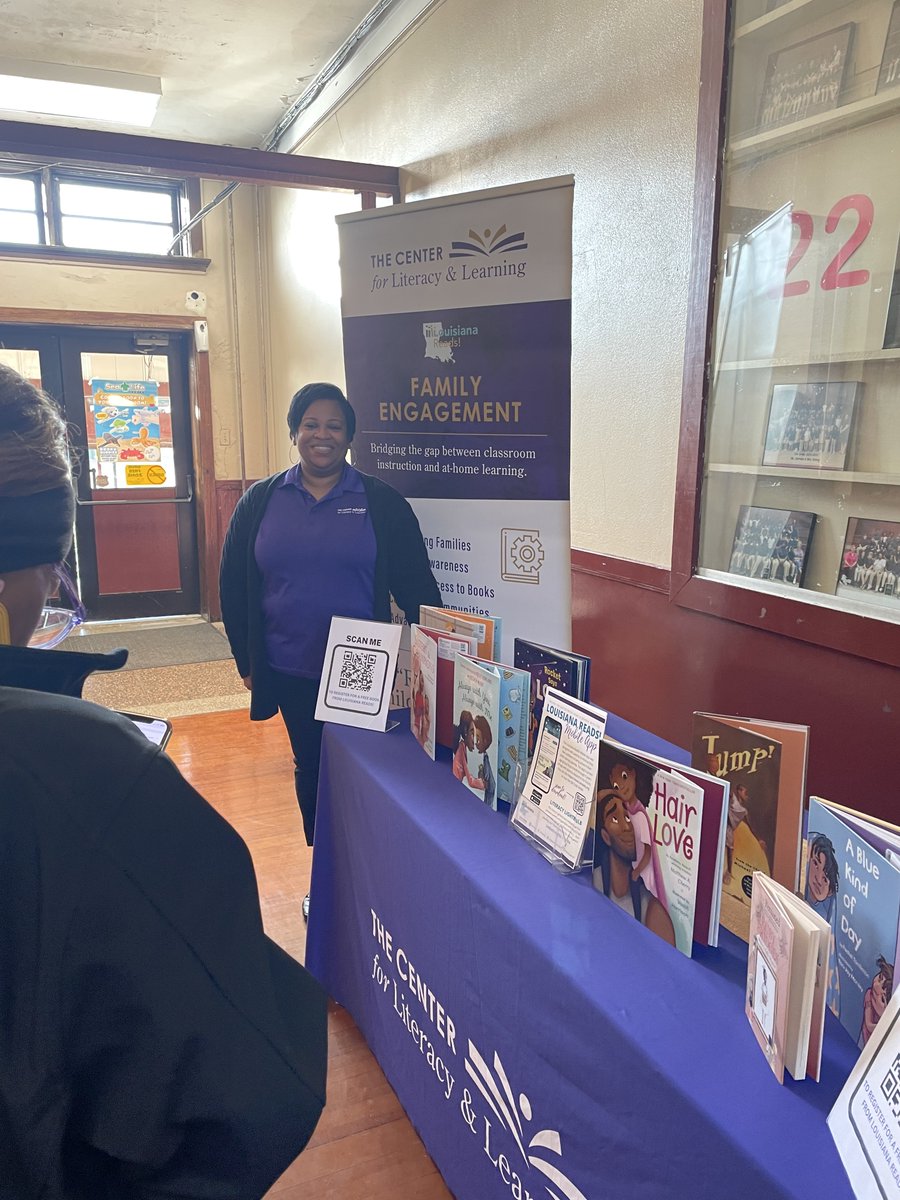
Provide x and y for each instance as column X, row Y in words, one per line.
column 543, row 1043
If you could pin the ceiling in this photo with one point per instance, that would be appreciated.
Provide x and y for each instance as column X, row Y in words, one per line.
column 229, row 68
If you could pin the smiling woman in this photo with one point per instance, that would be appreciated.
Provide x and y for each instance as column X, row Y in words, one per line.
column 317, row 541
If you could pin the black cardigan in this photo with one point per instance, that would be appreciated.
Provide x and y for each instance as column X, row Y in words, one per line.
column 402, row 570
column 153, row 1041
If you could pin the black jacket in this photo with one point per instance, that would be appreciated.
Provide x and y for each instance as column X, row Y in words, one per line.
column 402, row 570
column 154, row 1043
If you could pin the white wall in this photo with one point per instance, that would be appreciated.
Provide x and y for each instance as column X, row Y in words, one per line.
column 481, row 95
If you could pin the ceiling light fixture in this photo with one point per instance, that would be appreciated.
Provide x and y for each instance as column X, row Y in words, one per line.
column 54, row 89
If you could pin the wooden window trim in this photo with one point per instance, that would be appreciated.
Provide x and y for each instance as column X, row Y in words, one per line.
column 106, row 258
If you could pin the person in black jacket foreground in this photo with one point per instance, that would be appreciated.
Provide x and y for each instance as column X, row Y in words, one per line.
column 154, row 1043
column 319, row 540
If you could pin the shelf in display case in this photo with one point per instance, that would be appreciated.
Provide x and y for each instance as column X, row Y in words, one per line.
column 771, row 141
column 766, row 364
column 786, row 19
column 875, row 478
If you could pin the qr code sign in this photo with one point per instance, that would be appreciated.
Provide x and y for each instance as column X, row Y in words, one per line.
column 890, row 1087
column 357, row 671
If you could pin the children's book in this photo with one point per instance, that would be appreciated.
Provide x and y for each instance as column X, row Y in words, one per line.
column 794, row 742
column 865, row 1120
column 786, row 979
column 476, row 704
column 512, row 729
column 561, row 670
column 651, row 821
column 852, row 884
column 448, row 646
column 751, row 762
column 423, row 693
column 485, row 629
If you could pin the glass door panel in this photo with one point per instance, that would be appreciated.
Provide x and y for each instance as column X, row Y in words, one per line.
column 136, row 513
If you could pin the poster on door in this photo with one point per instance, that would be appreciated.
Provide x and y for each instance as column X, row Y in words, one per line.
column 126, row 422
column 457, row 350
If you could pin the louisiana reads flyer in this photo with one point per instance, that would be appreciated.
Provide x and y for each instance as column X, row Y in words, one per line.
column 554, row 809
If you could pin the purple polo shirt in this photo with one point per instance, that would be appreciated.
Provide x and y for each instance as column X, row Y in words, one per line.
column 317, row 559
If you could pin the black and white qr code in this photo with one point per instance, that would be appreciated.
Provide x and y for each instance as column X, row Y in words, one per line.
column 890, row 1087
column 357, row 671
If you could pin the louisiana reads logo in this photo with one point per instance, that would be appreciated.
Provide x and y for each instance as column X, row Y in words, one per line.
column 516, row 1119
column 490, row 242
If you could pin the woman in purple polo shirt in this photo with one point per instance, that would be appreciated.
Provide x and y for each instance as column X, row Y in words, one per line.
column 319, row 540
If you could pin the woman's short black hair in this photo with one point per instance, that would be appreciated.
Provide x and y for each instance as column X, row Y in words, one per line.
column 308, row 394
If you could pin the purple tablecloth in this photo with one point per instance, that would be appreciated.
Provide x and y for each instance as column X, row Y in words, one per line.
column 542, row 1042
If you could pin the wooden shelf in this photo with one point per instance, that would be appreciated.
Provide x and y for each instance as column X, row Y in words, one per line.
column 804, row 595
column 783, row 137
column 871, row 477
column 860, row 356
column 790, row 17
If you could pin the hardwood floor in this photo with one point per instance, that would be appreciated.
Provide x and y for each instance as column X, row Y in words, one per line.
column 364, row 1146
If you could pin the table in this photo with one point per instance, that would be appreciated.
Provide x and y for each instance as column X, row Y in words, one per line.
column 542, row 1042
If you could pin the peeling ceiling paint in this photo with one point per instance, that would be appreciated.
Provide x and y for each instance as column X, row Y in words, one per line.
column 228, row 69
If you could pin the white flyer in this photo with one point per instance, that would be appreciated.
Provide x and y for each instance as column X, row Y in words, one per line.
column 358, row 673
column 865, row 1120
column 554, row 809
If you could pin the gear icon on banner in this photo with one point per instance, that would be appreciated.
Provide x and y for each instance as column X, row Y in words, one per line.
column 522, row 555
column 527, row 553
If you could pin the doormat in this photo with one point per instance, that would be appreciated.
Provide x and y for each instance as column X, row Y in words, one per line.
column 168, row 646
column 170, row 692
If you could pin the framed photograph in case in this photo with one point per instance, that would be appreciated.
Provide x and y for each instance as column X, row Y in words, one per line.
column 772, row 543
column 810, row 425
column 889, row 74
column 805, row 78
column 870, row 562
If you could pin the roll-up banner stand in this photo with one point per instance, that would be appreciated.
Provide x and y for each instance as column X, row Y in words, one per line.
column 457, row 349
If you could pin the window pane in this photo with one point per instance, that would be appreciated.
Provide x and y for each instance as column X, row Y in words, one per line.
column 130, row 236
column 105, row 200
column 19, row 227
column 17, row 193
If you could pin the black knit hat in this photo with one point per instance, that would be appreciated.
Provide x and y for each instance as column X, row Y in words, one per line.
column 36, row 530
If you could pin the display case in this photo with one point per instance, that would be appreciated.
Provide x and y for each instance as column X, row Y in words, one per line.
column 797, row 453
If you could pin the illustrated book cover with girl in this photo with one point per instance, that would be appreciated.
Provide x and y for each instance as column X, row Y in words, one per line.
column 851, row 882
column 476, row 705
column 647, row 843
column 423, row 689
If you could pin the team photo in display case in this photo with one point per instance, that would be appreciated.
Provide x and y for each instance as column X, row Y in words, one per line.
column 870, row 563
column 772, row 543
column 810, row 426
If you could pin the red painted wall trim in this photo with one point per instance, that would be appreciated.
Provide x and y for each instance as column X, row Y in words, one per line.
column 655, row 662
column 623, row 570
